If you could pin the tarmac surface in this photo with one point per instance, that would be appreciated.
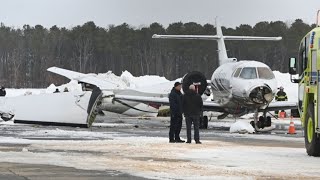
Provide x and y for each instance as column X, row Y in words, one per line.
column 27, row 142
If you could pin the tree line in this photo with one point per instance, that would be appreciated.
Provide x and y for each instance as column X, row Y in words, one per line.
column 26, row 53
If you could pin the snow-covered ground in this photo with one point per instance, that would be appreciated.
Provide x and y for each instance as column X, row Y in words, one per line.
column 154, row 157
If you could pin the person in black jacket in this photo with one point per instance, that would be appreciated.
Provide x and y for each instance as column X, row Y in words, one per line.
column 175, row 100
column 3, row 91
column 281, row 96
column 192, row 107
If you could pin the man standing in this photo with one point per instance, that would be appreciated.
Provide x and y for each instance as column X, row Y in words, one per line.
column 175, row 99
column 192, row 108
column 2, row 91
column 281, row 96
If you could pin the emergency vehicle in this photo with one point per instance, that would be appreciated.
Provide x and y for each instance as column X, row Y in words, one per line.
column 305, row 70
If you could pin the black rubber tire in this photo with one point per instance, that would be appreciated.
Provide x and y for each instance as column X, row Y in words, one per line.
column 261, row 122
column 252, row 124
column 312, row 148
column 268, row 122
column 201, row 123
column 205, row 122
column 193, row 77
column 295, row 113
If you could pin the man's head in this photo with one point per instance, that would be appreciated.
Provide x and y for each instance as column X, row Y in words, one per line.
column 192, row 87
column 177, row 86
column 281, row 88
column 2, row 87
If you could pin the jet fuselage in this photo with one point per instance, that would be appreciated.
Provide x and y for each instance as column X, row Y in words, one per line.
column 243, row 85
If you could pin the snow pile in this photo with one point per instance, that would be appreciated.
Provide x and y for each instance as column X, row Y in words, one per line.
column 162, row 88
column 71, row 86
column 241, row 127
column 141, row 81
column 112, row 78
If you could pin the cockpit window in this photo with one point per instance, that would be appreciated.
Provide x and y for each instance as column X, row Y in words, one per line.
column 248, row 73
column 265, row 73
column 236, row 74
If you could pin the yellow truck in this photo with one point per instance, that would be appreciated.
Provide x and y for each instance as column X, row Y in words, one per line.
column 305, row 70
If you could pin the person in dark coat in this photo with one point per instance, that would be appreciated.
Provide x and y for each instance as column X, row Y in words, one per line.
column 175, row 100
column 3, row 91
column 192, row 108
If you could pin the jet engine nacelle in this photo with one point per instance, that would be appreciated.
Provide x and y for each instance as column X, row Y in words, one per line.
column 196, row 78
column 6, row 116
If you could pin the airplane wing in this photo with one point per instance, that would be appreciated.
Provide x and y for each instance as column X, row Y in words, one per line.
column 207, row 105
column 86, row 78
column 66, row 109
column 280, row 105
column 216, row 37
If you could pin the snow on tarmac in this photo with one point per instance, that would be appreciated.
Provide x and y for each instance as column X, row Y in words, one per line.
column 154, row 157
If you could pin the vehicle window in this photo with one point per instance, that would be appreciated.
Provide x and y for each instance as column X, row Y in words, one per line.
column 236, row 74
column 249, row 73
column 265, row 73
column 302, row 61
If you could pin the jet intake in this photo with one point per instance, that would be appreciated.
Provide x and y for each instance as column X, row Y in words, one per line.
column 196, row 78
column 261, row 95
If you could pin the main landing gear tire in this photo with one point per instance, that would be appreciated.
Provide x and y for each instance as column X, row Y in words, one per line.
column 311, row 138
column 262, row 122
column 204, row 122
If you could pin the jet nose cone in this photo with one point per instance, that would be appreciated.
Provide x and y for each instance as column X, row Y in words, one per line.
column 261, row 94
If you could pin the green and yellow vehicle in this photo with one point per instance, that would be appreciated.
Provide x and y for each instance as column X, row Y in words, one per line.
column 306, row 71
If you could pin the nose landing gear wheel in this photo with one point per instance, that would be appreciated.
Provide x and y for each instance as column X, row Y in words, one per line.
column 261, row 124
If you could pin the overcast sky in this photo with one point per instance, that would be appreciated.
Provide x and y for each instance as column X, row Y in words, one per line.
column 69, row 13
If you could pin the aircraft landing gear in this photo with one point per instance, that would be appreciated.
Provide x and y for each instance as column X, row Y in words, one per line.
column 203, row 122
column 261, row 124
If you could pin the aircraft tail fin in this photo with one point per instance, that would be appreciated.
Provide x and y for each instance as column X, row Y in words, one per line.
column 222, row 51
column 220, row 38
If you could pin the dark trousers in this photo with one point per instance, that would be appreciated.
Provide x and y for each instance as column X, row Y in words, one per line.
column 175, row 127
column 195, row 120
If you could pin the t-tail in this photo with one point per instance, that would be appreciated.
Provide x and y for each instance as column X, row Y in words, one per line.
column 220, row 38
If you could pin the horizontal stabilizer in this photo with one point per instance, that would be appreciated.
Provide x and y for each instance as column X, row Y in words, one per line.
column 216, row 37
